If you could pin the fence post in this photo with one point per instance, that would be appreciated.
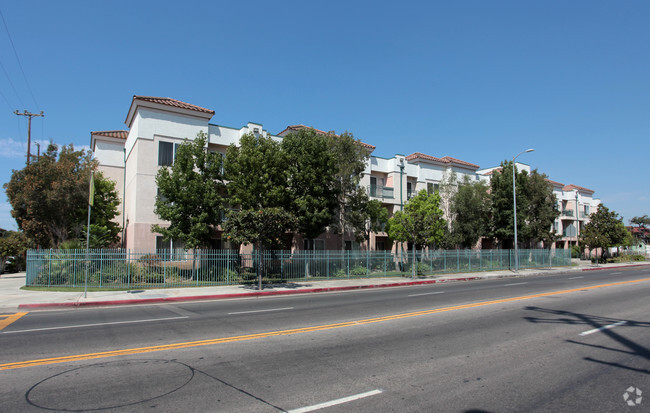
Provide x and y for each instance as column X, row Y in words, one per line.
column 49, row 271
column 348, row 264
column 101, row 266
column 457, row 260
column 367, row 262
column 128, row 268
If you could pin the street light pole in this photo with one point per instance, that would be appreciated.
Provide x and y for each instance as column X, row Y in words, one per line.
column 514, row 201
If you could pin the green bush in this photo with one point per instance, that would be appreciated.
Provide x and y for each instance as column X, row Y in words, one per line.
column 358, row 270
column 423, row 269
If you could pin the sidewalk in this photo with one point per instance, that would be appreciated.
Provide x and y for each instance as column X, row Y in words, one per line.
column 13, row 298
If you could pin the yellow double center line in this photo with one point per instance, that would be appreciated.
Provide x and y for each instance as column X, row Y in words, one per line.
column 141, row 350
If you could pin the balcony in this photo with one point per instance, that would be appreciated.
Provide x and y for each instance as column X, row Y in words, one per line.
column 567, row 213
column 383, row 192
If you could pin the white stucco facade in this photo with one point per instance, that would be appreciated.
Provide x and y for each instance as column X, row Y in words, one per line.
column 131, row 159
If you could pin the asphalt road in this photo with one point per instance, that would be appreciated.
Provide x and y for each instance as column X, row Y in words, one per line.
column 516, row 344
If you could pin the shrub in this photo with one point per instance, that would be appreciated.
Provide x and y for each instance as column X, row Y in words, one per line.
column 423, row 269
column 358, row 270
column 575, row 251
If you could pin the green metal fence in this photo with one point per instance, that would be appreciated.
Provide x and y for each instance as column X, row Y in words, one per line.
column 178, row 268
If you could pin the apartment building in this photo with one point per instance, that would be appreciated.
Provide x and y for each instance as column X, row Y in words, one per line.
column 156, row 126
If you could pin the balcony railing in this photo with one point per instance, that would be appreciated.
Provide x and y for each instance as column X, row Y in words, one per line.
column 567, row 213
column 383, row 192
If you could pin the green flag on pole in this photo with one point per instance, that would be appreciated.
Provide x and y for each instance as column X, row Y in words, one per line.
column 91, row 197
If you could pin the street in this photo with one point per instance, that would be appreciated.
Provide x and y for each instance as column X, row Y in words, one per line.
column 563, row 342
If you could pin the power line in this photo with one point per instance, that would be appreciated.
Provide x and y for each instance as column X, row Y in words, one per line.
column 18, row 59
column 12, row 84
column 5, row 99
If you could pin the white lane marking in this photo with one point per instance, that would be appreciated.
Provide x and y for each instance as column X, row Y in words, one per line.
column 261, row 311
column 508, row 285
column 617, row 272
column 335, row 402
column 575, row 278
column 93, row 325
column 595, row 330
column 435, row 292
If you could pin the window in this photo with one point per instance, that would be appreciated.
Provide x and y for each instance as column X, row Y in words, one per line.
column 162, row 197
column 315, row 245
column 166, row 153
column 170, row 249
column 431, row 188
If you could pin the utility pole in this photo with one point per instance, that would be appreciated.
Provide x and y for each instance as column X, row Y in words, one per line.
column 29, row 128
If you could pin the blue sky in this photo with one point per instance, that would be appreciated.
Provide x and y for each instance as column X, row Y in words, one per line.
column 475, row 80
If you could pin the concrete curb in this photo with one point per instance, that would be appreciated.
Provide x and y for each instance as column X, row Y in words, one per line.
column 236, row 295
column 617, row 266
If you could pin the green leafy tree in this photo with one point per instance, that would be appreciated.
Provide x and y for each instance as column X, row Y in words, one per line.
column 49, row 197
column 541, row 211
column 421, row 222
column 256, row 172
column 191, row 194
column 471, row 210
column 376, row 218
column 311, row 168
column 258, row 184
column 605, row 229
column 104, row 231
column 502, row 216
column 350, row 157
column 536, row 207
column 263, row 228
column 642, row 223
column 13, row 244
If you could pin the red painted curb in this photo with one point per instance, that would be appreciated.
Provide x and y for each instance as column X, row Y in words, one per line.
column 236, row 295
column 618, row 266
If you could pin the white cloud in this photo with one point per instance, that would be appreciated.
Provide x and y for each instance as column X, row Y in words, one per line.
column 10, row 148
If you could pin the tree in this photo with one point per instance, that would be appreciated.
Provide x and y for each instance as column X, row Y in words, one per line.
column 376, row 218
column 257, row 183
column 104, row 232
column 49, row 197
column 421, row 222
column 263, row 228
column 311, row 168
column 12, row 244
column 642, row 224
column 350, row 157
column 448, row 188
column 190, row 194
column 536, row 206
column 541, row 211
column 605, row 229
column 471, row 209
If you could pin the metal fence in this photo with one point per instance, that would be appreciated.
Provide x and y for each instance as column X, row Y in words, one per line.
column 178, row 268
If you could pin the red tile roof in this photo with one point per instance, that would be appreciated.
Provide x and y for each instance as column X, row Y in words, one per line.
column 571, row 187
column 444, row 159
column 120, row 134
column 173, row 102
column 554, row 182
column 295, row 128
